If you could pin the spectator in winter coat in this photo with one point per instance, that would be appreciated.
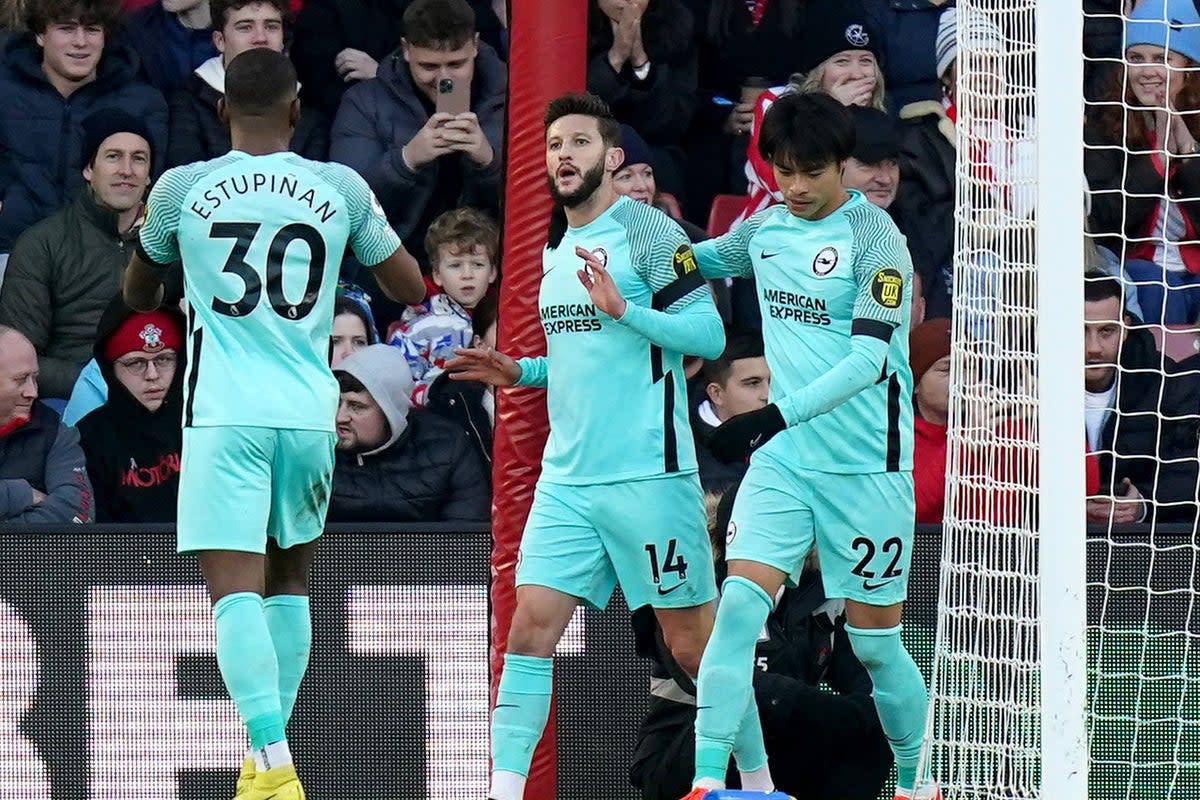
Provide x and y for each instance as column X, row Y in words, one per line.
column 735, row 383
column 51, row 80
column 909, row 28
column 1143, row 421
column 421, row 163
column 339, row 43
column 133, row 441
column 197, row 133
column 840, row 58
column 820, row 727
column 743, row 48
column 64, row 270
column 171, row 38
column 464, row 247
column 1141, row 161
column 42, row 473
column 395, row 463
column 471, row 404
column 1001, row 166
column 642, row 63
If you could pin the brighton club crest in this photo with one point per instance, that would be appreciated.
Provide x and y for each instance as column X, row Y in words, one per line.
column 825, row 261
column 152, row 336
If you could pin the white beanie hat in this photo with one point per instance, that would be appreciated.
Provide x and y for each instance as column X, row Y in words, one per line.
column 982, row 33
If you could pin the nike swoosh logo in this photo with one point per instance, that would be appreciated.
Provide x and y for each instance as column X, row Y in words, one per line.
column 663, row 591
column 870, row 587
column 754, row 442
column 507, row 705
column 765, row 255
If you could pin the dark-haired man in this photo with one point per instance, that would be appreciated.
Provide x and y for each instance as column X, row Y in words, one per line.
column 1142, row 419
column 197, row 133
column 618, row 500
column 258, row 455
column 831, row 454
column 421, row 162
column 735, row 383
column 51, row 79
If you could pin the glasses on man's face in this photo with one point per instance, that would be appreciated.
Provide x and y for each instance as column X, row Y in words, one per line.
column 138, row 366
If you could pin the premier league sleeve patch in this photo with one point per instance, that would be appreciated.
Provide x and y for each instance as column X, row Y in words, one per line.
column 887, row 287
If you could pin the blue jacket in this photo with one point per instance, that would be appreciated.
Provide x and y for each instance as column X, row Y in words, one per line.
column 168, row 51
column 44, row 454
column 41, row 133
column 910, row 59
column 377, row 119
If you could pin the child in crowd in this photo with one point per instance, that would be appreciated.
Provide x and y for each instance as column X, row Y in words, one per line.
column 463, row 247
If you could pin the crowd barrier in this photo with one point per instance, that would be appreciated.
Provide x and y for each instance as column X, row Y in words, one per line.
column 109, row 688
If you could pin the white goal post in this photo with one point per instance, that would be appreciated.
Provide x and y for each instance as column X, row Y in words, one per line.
column 1009, row 684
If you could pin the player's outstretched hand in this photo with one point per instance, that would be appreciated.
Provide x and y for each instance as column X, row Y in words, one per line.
column 739, row 436
column 483, row 364
column 599, row 284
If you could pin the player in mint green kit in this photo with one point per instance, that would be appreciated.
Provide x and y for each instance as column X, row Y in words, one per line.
column 261, row 234
column 619, row 498
column 831, row 463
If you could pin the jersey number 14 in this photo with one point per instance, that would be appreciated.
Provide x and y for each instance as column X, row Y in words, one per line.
column 243, row 234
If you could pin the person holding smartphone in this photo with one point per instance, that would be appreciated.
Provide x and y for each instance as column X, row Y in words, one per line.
column 426, row 134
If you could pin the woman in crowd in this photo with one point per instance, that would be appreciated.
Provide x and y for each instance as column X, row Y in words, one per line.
column 841, row 58
column 353, row 327
column 1143, row 163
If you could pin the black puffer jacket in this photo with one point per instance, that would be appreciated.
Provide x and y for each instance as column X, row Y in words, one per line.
column 197, row 133
column 41, row 133
column 133, row 455
column 432, row 473
column 1155, row 443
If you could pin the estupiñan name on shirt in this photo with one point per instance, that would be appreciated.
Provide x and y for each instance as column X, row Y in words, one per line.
column 281, row 185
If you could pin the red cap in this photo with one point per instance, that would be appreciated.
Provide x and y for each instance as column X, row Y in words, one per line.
column 149, row 333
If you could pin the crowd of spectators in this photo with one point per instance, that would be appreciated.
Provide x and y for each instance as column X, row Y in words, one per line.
column 102, row 96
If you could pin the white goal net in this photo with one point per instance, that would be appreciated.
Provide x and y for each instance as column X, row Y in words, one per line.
column 1062, row 669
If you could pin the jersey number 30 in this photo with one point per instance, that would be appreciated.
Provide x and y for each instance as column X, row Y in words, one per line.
column 243, row 234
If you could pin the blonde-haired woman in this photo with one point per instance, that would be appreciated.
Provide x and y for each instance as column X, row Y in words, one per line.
column 841, row 58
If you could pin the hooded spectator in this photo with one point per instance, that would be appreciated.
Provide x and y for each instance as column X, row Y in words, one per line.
column 396, row 463
column 133, row 441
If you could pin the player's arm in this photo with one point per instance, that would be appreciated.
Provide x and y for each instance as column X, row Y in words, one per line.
column 399, row 276
column 157, row 245
column 376, row 245
column 728, row 255
column 883, row 272
column 682, row 317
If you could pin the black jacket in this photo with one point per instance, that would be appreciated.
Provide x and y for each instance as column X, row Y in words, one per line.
column 461, row 402
column 715, row 476
column 1158, row 404
column 924, row 207
column 133, row 455
column 660, row 107
column 325, row 28
column 820, row 744
column 43, row 454
column 41, row 132
column 197, row 133
column 168, row 51
column 431, row 474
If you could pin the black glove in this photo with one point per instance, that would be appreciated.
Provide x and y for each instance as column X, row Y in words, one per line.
column 737, row 437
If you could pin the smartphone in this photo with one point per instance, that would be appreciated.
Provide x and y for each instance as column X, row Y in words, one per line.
column 453, row 97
